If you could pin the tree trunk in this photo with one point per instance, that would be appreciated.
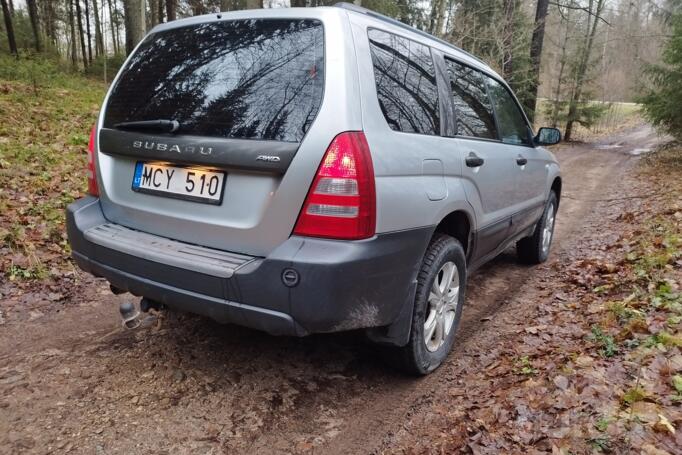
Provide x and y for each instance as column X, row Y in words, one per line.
column 153, row 13
column 135, row 22
column 99, row 39
column 81, row 33
column 113, row 29
column 47, row 12
column 508, row 39
column 581, row 73
column 87, row 29
column 437, row 17
column 170, row 9
column 565, row 20
column 9, row 28
column 254, row 4
column 198, row 7
column 35, row 26
column 160, row 10
column 536, row 45
column 72, row 27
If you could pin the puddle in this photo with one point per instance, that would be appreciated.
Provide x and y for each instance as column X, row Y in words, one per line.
column 637, row 152
column 609, row 146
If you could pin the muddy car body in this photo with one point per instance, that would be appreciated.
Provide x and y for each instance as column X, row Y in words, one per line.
column 338, row 170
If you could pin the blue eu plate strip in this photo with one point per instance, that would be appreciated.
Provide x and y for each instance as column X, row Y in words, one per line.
column 137, row 177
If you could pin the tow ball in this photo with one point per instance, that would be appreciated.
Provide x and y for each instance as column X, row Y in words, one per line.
column 131, row 316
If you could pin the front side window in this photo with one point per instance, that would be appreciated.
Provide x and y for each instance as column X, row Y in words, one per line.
column 513, row 127
column 244, row 79
column 406, row 83
column 473, row 110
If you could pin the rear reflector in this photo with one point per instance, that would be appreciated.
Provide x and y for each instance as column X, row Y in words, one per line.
column 341, row 203
column 93, row 190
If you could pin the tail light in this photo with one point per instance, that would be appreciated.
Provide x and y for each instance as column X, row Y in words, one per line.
column 93, row 190
column 341, row 202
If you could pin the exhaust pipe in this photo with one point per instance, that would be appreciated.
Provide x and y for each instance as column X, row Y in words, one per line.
column 115, row 290
column 149, row 304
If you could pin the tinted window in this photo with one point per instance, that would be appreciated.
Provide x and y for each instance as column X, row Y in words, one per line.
column 260, row 79
column 473, row 110
column 513, row 127
column 406, row 83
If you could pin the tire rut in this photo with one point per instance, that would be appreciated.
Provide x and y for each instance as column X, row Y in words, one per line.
column 216, row 389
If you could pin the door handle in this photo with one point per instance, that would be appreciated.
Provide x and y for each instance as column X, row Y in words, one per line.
column 474, row 160
column 521, row 160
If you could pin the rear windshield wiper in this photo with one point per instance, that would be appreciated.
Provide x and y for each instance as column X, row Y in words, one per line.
column 169, row 126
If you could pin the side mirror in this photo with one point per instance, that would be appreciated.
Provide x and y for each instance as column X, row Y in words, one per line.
column 547, row 136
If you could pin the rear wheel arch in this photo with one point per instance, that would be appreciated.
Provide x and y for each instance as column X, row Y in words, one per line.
column 457, row 224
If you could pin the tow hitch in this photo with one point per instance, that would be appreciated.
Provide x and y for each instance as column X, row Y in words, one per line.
column 131, row 316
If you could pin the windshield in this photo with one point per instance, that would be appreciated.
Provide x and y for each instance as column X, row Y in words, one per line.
column 251, row 79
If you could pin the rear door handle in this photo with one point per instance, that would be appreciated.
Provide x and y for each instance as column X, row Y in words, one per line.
column 474, row 160
column 521, row 160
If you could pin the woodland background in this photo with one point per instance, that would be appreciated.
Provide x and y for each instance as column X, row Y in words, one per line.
column 581, row 355
column 579, row 57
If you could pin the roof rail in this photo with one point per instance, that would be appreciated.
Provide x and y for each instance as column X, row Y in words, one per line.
column 390, row 20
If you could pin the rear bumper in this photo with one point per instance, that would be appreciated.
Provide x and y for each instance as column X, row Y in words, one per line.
column 341, row 285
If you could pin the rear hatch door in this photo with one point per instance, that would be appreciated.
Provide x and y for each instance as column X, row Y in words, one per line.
column 221, row 106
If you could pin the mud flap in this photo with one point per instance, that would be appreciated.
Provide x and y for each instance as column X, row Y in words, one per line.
column 397, row 333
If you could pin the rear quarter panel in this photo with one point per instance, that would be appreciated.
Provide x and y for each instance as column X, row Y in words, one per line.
column 418, row 177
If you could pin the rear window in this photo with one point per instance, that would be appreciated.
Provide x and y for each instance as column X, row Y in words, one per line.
column 406, row 83
column 250, row 79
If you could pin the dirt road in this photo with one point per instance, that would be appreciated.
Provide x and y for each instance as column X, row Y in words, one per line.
column 73, row 381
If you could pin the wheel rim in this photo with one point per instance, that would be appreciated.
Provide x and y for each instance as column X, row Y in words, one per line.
column 441, row 306
column 548, row 229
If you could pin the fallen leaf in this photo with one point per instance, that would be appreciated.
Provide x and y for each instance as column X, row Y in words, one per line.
column 663, row 425
column 584, row 361
column 561, row 382
column 645, row 411
column 650, row 449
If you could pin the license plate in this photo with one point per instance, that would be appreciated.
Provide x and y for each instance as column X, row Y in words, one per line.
column 193, row 184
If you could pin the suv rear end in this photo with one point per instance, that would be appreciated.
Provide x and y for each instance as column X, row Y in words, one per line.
column 264, row 107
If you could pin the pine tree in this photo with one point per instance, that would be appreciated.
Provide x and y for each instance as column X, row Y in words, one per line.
column 662, row 99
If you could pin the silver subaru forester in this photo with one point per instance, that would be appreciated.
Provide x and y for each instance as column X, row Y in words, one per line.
column 312, row 170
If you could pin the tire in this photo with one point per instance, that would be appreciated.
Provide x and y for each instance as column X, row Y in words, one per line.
column 535, row 248
column 419, row 356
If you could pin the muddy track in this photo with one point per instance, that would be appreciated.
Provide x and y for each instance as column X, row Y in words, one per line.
column 74, row 382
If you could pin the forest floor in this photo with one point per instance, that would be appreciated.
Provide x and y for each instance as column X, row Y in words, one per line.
column 579, row 355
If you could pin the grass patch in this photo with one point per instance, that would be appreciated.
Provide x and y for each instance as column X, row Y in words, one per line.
column 607, row 344
column 43, row 142
column 602, row 424
column 524, row 366
column 634, row 395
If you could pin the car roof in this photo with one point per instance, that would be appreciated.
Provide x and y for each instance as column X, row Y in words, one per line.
column 417, row 34
column 384, row 22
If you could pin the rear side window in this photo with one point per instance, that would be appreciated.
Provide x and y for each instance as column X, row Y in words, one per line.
column 251, row 79
column 473, row 110
column 406, row 83
column 513, row 126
